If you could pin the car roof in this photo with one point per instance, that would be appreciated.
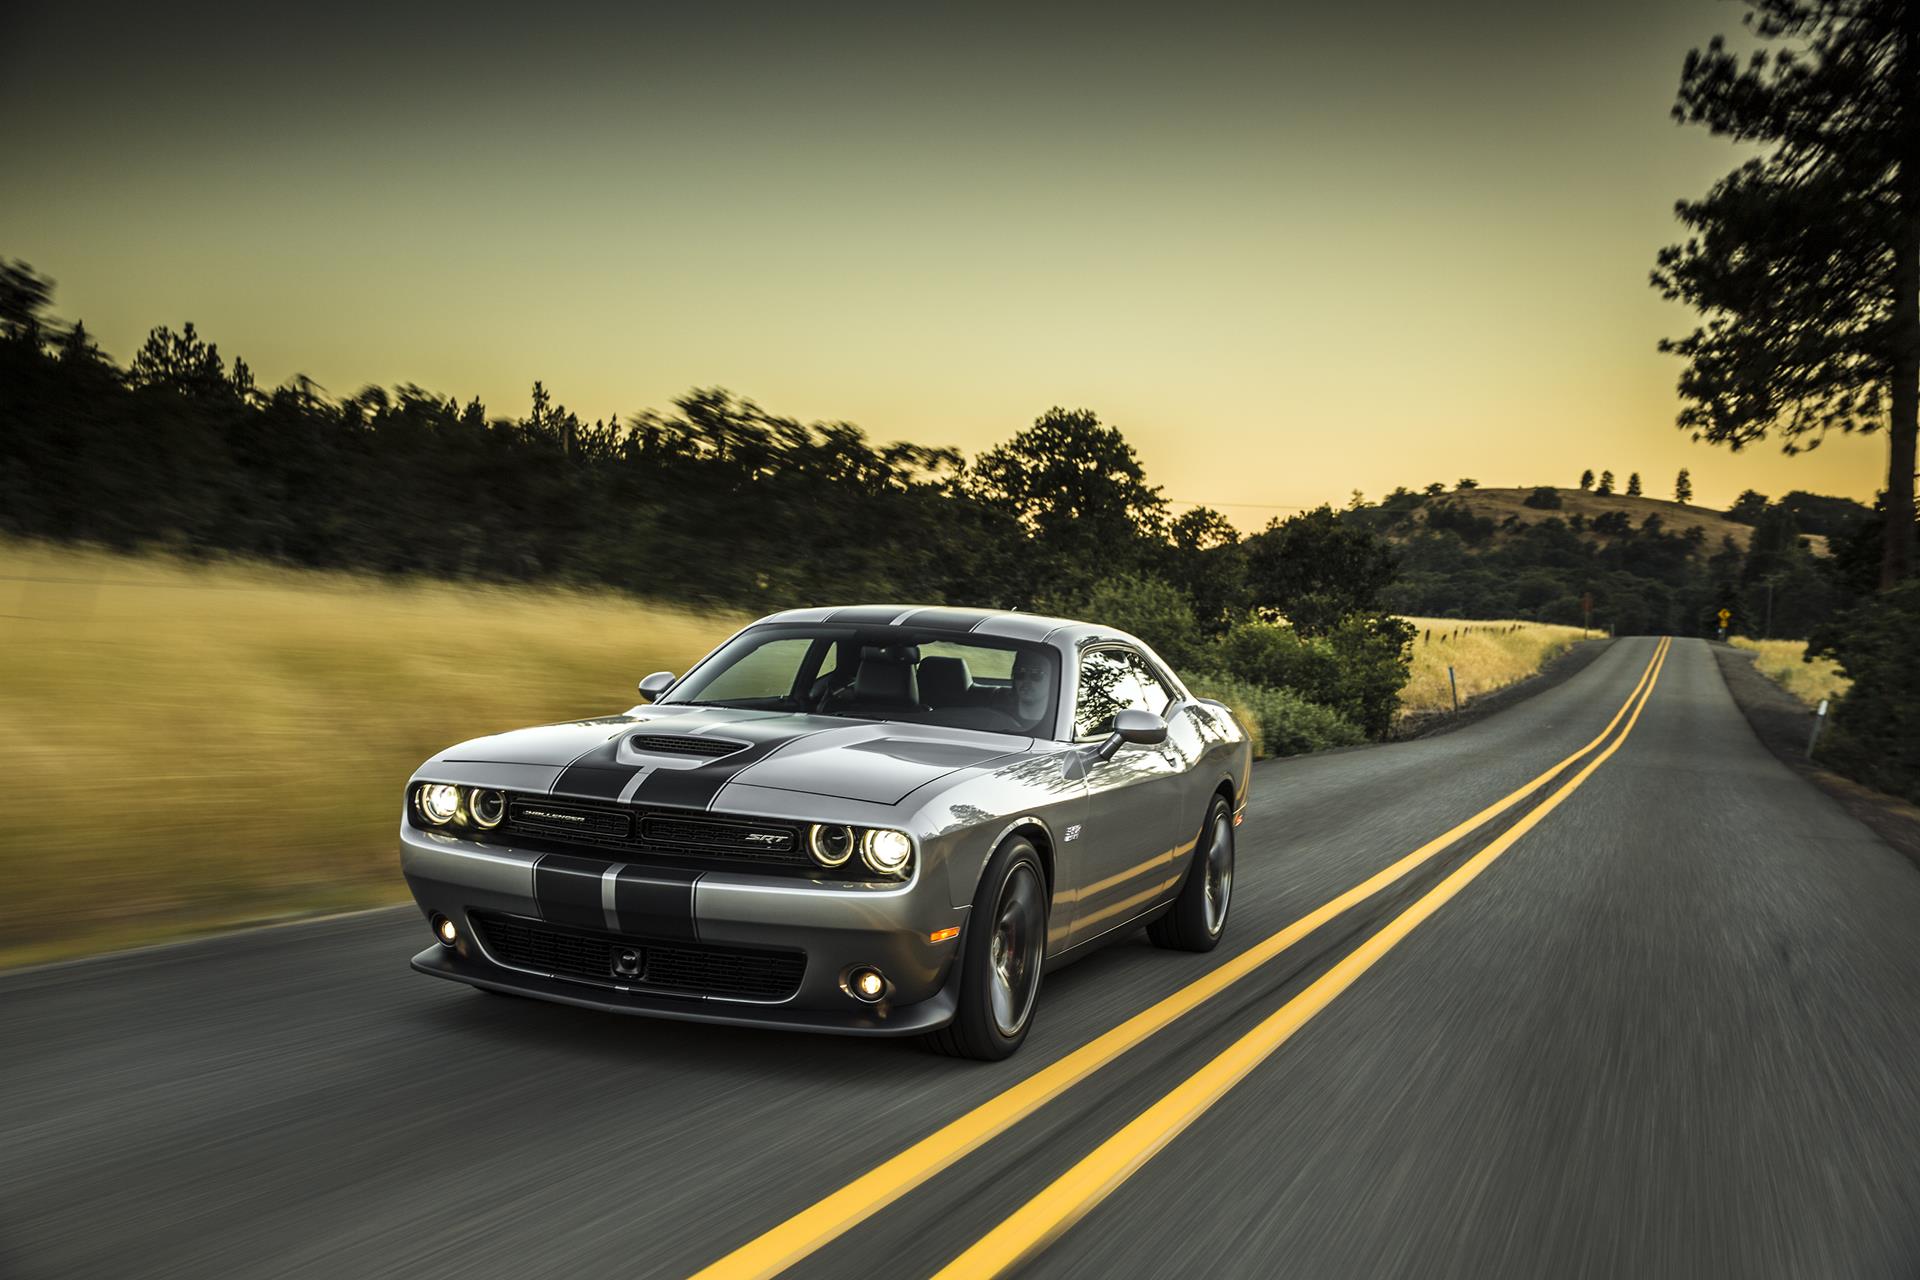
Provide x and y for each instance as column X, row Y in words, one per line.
column 1002, row 624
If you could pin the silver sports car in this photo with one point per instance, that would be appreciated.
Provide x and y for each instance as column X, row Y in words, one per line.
column 878, row 820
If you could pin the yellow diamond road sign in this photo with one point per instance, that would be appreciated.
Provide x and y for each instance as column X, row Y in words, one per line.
column 1724, row 615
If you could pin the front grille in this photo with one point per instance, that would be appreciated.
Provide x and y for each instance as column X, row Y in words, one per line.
column 671, row 833
column 679, row 745
column 682, row 967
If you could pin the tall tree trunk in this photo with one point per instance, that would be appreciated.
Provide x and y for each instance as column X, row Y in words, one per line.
column 1896, row 560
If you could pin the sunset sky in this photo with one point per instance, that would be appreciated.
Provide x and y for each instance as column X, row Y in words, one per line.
column 1291, row 251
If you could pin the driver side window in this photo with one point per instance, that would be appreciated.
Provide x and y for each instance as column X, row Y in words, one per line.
column 1112, row 681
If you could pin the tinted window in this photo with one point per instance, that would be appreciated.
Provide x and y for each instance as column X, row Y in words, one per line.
column 883, row 673
column 1111, row 681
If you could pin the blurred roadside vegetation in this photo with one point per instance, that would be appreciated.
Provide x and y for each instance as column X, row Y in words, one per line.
column 208, row 743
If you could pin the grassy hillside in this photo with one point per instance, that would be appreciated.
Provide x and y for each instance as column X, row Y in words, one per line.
column 1498, row 504
column 205, row 744
column 1485, row 656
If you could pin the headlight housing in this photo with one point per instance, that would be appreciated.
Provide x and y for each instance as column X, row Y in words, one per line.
column 487, row 808
column 883, row 852
column 438, row 802
column 886, row 852
column 831, row 845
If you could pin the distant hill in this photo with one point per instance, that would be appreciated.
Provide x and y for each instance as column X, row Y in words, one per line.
column 1676, row 517
column 1646, row 564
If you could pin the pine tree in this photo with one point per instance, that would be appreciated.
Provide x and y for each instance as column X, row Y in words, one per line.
column 1633, row 485
column 1586, row 478
column 1804, row 262
column 1683, row 487
column 1606, row 483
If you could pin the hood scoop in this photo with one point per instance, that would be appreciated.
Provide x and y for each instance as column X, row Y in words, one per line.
column 676, row 744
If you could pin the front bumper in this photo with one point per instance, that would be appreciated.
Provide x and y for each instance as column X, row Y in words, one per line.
column 836, row 926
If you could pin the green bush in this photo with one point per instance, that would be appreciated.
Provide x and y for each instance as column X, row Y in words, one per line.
column 1357, row 669
column 1151, row 608
column 1280, row 721
column 1875, row 735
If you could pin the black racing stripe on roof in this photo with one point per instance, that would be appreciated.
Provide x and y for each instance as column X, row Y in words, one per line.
column 866, row 615
column 946, row 619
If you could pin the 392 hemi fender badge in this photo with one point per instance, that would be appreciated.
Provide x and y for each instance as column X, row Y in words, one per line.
column 1073, row 833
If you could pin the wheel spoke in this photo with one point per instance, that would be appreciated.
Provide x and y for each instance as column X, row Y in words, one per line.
column 1019, row 928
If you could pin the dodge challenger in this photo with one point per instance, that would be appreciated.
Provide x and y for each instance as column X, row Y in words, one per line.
column 876, row 820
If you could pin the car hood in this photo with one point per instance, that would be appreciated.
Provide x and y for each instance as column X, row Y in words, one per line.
column 648, row 754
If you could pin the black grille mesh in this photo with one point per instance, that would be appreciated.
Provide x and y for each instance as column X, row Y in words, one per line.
column 683, row 967
column 661, row 832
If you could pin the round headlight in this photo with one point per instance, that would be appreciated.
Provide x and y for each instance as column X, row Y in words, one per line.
column 439, row 803
column 886, row 851
column 830, row 846
column 487, row 808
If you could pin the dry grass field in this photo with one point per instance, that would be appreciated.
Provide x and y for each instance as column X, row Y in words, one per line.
column 192, row 745
column 1484, row 655
column 1781, row 662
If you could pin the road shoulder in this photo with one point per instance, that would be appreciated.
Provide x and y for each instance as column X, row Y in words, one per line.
column 1558, row 670
column 1783, row 723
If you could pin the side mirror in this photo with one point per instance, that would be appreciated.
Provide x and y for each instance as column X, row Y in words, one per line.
column 658, row 683
column 1142, row 728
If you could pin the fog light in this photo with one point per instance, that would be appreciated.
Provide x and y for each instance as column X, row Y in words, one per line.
column 439, row 803
column 443, row 929
column 866, row 984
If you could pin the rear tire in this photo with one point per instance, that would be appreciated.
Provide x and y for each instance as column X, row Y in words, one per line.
column 1002, row 950
column 1198, row 917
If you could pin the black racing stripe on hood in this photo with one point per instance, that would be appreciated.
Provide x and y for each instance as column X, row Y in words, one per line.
column 568, row 890
column 696, row 788
column 597, row 775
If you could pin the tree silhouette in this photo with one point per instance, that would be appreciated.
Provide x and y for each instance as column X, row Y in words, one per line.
column 1316, row 569
column 1633, row 485
column 1805, row 261
column 1078, row 487
column 1683, row 487
column 1586, row 478
column 1606, row 483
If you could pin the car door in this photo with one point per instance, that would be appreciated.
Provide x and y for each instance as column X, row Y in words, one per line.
column 1133, row 799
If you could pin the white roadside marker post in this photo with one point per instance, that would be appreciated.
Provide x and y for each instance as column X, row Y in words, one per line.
column 1819, row 723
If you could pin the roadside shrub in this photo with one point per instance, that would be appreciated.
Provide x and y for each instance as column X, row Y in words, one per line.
column 1875, row 734
column 1374, row 654
column 1357, row 669
column 1278, row 657
column 1151, row 608
column 1280, row 721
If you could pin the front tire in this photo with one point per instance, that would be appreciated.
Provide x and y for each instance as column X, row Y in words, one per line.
column 1004, row 949
column 1198, row 917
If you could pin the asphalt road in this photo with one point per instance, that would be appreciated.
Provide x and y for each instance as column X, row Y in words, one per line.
column 1674, row 1030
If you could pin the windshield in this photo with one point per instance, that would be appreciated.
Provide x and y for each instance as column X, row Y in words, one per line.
column 958, row 680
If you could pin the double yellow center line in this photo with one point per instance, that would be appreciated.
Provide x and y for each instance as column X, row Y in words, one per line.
column 1088, row 1182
